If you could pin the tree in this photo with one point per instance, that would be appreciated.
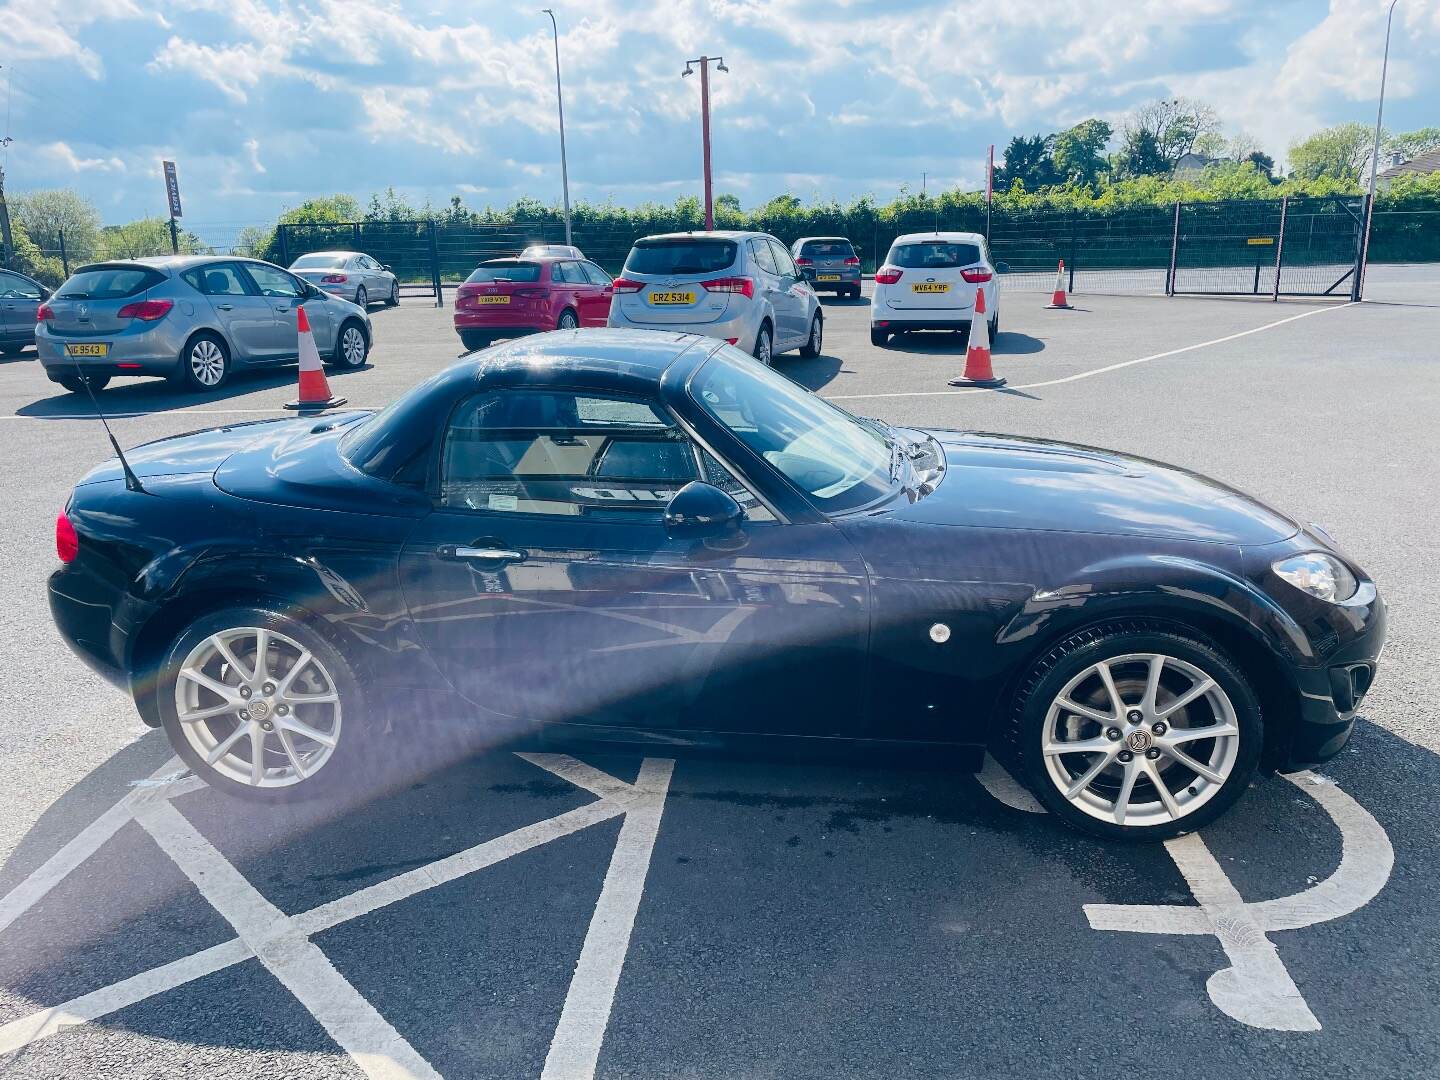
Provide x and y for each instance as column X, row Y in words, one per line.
column 147, row 236
column 1078, row 153
column 1263, row 163
column 1210, row 145
column 325, row 210
column 1028, row 162
column 1412, row 144
column 1139, row 156
column 44, row 214
column 390, row 206
column 1173, row 125
column 1338, row 152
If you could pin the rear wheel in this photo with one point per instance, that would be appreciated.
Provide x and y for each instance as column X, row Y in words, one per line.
column 854, row 292
column 879, row 337
column 764, row 345
column 815, row 341
column 261, row 706
column 205, row 363
column 1136, row 730
column 567, row 320
column 351, row 348
column 76, row 383
column 362, row 298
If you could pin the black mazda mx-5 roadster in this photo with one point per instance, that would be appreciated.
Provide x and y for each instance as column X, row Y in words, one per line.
column 652, row 538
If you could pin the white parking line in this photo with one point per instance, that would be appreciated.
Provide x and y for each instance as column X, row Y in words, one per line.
column 1100, row 370
column 1004, row 788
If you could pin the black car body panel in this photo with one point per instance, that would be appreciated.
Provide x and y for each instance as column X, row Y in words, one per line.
column 805, row 627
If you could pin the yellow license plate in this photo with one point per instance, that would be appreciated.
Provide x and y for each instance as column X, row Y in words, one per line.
column 493, row 300
column 98, row 349
column 827, row 277
column 687, row 297
column 931, row 287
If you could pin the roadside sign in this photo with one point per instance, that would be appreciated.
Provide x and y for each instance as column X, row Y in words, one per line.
column 172, row 188
column 1257, row 241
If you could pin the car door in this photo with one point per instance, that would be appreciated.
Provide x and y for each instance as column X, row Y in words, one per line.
column 596, row 301
column 570, row 285
column 768, row 284
column 19, row 300
column 547, row 590
column 284, row 293
column 246, row 318
column 376, row 282
column 793, row 310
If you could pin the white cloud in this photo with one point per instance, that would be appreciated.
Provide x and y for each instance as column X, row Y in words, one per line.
column 66, row 156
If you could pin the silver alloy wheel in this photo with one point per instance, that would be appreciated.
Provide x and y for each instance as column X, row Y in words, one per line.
column 567, row 320
column 362, row 298
column 258, row 707
column 207, row 362
column 815, row 335
column 352, row 346
column 395, row 292
column 762, row 347
column 1140, row 739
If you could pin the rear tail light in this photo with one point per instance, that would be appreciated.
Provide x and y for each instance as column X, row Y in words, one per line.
column 888, row 275
column 742, row 285
column 852, row 261
column 335, row 279
column 44, row 313
column 146, row 310
column 976, row 277
column 801, row 260
column 67, row 544
column 626, row 285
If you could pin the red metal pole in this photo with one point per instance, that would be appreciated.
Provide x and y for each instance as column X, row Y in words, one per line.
column 705, row 138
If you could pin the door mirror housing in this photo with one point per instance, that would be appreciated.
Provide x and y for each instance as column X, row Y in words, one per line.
column 701, row 511
column 387, row 266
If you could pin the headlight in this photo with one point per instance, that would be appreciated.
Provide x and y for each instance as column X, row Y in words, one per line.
column 1322, row 576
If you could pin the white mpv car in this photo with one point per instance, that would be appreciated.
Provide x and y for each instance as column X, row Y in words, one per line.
column 740, row 286
column 929, row 281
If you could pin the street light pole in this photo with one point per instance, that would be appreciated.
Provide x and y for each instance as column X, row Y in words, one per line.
column 704, row 63
column 560, row 104
column 1375, row 150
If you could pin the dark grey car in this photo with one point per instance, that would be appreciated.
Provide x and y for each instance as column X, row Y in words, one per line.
column 190, row 318
column 828, row 262
column 20, row 298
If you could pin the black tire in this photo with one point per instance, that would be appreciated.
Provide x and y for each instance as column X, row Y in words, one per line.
column 362, row 298
column 994, row 328
column 568, row 320
column 344, row 357
column 11, row 350
column 471, row 340
column 198, row 363
column 351, row 728
column 854, row 292
column 764, row 350
column 879, row 338
column 393, row 299
column 1020, row 740
column 816, row 341
column 76, row 383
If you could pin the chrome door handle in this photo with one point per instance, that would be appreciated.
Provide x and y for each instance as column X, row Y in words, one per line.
column 226, row 307
column 464, row 552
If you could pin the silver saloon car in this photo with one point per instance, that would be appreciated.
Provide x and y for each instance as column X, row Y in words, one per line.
column 349, row 274
column 742, row 287
column 191, row 319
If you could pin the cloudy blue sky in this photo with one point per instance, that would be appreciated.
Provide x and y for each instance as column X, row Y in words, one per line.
column 265, row 102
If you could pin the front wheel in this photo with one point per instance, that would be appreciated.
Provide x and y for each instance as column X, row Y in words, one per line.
column 261, row 706
column 1136, row 731
column 76, row 383
column 351, row 348
column 764, row 343
column 815, row 341
column 393, row 300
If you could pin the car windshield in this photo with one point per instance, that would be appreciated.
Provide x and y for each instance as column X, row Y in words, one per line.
column 108, row 283
column 933, row 255
column 505, row 271
column 680, row 256
column 317, row 262
column 842, row 462
column 827, row 249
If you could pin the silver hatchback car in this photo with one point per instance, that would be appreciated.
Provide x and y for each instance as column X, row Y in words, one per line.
column 742, row 287
column 192, row 319
column 351, row 274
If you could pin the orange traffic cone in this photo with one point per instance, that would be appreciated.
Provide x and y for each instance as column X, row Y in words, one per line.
column 977, row 356
column 1057, row 298
column 315, row 393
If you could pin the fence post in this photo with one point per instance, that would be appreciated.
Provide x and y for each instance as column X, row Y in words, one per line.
column 1074, row 239
column 355, row 233
column 64, row 259
column 1362, row 243
column 1280, row 246
column 1174, row 250
column 435, row 265
column 282, row 236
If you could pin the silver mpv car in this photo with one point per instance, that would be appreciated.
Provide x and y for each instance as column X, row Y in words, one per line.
column 742, row 287
column 190, row 318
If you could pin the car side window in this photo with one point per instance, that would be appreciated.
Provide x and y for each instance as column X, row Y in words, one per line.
column 564, row 453
column 561, row 272
column 595, row 274
column 220, row 280
column 717, row 475
column 783, row 262
column 272, row 281
column 763, row 256
column 15, row 287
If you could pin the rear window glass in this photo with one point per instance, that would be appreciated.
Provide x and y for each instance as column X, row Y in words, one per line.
column 933, row 256
column 505, row 271
column 109, row 282
column 680, row 256
column 317, row 262
column 827, row 249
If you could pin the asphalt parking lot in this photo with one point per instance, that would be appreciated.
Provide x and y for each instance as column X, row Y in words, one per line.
column 487, row 914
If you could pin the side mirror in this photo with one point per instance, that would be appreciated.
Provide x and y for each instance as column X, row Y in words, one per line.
column 387, row 266
column 1002, row 268
column 701, row 511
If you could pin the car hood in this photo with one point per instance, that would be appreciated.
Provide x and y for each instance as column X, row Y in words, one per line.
column 1010, row 482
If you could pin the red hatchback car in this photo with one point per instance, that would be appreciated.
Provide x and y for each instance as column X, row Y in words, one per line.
column 505, row 297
